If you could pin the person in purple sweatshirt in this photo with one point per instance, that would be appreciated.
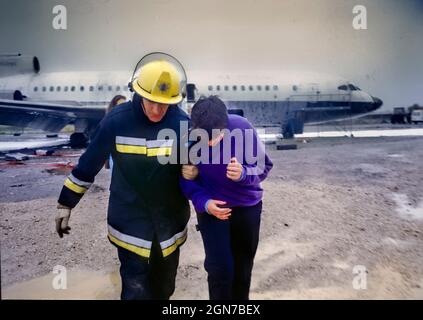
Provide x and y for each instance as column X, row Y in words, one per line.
column 227, row 197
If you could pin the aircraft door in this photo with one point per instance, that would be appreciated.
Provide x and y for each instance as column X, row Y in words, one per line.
column 191, row 92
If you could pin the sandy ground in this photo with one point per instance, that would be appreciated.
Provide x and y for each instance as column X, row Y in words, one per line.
column 329, row 206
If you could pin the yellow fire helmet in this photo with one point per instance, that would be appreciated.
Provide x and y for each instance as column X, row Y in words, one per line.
column 158, row 81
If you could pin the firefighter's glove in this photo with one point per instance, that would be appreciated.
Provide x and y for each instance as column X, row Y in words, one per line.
column 62, row 220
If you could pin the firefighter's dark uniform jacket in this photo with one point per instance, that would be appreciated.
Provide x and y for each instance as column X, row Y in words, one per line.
column 145, row 199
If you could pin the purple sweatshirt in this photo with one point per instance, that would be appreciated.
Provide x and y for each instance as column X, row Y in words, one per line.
column 212, row 182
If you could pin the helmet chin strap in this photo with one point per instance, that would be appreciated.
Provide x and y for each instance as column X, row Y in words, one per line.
column 142, row 106
column 136, row 97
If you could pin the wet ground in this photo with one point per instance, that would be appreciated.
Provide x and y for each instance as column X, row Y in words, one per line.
column 332, row 208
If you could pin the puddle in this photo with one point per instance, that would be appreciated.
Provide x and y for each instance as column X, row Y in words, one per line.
column 407, row 210
column 81, row 285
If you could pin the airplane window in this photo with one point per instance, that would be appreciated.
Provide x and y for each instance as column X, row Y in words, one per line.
column 343, row 87
column 100, row 88
column 218, row 88
column 91, row 88
column 259, row 88
column 251, row 88
column 117, row 88
column 226, row 88
column 66, row 88
column 110, row 88
column 352, row 87
column 81, row 88
column 210, row 88
column 243, row 88
column 44, row 89
column 73, row 88
column 51, row 88
column 267, row 88
column 58, row 88
column 234, row 88
column 35, row 89
column 275, row 87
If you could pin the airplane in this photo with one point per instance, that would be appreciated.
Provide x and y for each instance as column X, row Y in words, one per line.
column 288, row 100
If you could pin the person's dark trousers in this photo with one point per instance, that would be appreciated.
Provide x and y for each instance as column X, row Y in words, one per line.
column 144, row 279
column 230, row 247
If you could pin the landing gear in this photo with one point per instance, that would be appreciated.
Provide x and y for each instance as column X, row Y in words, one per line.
column 78, row 140
column 288, row 131
column 293, row 124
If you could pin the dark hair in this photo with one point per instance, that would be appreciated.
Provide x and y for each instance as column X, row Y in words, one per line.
column 114, row 101
column 208, row 114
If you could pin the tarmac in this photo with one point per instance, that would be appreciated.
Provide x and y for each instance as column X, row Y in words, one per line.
column 342, row 219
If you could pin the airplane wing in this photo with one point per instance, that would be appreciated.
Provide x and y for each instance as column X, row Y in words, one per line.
column 48, row 116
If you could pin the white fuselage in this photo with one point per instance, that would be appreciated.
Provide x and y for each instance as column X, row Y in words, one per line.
column 98, row 88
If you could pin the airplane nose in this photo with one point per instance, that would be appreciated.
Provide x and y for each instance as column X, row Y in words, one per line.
column 377, row 103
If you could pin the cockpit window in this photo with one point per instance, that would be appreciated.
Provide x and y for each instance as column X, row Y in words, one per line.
column 350, row 87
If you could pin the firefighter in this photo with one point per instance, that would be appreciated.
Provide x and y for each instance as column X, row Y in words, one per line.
column 147, row 212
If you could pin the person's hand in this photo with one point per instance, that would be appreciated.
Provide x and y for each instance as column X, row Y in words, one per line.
column 234, row 170
column 189, row 171
column 62, row 220
column 220, row 213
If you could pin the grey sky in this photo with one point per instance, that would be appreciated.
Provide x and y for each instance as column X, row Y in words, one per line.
column 248, row 36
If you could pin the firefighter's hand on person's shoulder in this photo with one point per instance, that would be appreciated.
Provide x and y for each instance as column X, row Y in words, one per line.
column 62, row 220
column 213, row 208
column 189, row 171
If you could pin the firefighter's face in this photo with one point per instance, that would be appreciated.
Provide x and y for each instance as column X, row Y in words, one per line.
column 153, row 110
